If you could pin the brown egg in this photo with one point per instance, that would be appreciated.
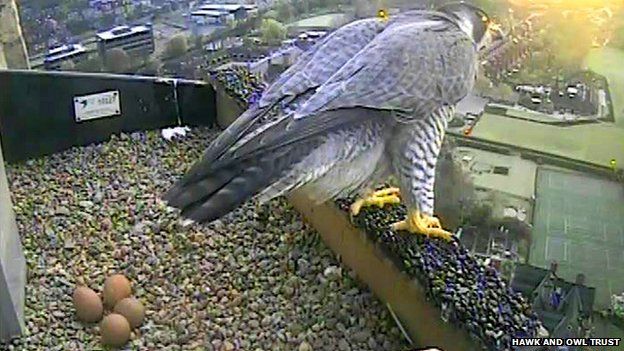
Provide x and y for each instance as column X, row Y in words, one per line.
column 88, row 305
column 116, row 288
column 115, row 330
column 132, row 309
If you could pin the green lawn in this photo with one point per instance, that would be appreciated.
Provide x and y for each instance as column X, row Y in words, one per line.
column 608, row 62
column 595, row 143
column 318, row 21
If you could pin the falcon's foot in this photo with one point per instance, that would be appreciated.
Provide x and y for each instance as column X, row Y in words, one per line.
column 377, row 198
column 418, row 223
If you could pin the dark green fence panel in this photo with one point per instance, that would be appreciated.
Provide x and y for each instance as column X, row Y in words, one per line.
column 37, row 109
column 193, row 102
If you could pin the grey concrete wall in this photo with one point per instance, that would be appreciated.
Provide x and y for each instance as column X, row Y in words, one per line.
column 12, row 262
column 3, row 64
column 12, row 266
column 11, row 38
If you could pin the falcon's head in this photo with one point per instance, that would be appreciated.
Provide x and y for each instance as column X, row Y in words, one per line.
column 476, row 23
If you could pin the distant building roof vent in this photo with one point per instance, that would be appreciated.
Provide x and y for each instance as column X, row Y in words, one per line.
column 501, row 170
column 122, row 30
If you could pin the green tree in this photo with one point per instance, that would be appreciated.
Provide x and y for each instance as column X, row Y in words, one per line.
column 198, row 41
column 483, row 85
column 271, row 14
column 454, row 189
column 569, row 40
column 617, row 39
column 518, row 230
column 479, row 215
column 285, row 10
column 117, row 61
column 492, row 7
column 362, row 9
column 176, row 47
column 68, row 66
column 273, row 32
column 301, row 6
column 150, row 68
column 503, row 92
column 92, row 64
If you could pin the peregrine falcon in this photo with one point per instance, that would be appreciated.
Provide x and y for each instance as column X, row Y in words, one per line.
column 369, row 101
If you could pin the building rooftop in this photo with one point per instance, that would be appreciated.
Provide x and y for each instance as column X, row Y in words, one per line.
column 592, row 143
column 222, row 7
column 63, row 49
column 207, row 13
column 505, row 173
column 121, row 31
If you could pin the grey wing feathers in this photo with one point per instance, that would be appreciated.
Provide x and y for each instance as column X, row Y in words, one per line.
column 343, row 158
column 413, row 67
column 310, row 71
column 323, row 60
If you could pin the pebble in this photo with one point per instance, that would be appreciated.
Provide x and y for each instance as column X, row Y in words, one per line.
column 471, row 293
column 304, row 346
column 100, row 205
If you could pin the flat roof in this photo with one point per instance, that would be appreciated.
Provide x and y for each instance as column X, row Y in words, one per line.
column 322, row 21
column 594, row 143
column 316, row 32
column 207, row 13
column 519, row 182
column 65, row 50
column 125, row 31
column 222, row 7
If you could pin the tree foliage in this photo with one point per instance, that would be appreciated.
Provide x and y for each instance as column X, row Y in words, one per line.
column 479, row 215
column 117, row 61
column 301, row 6
column 150, row 68
column 362, row 8
column 271, row 14
column 491, row 7
column 617, row 39
column 568, row 41
column 92, row 64
column 454, row 189
column 501, row 92
column 273, row 32
column 176, row 47
column 285, row 11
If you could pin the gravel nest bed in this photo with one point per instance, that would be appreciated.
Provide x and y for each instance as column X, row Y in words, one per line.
column 471, row 294
column 258, row 279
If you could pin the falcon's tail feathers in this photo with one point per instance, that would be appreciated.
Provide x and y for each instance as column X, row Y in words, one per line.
column 219, row 191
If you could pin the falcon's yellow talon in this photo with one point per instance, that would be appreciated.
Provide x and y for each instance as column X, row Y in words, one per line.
column 377, row 198
column 417, row 223
column 434, row 222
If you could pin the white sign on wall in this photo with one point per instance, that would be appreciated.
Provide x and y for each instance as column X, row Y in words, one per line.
column 95, row 106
